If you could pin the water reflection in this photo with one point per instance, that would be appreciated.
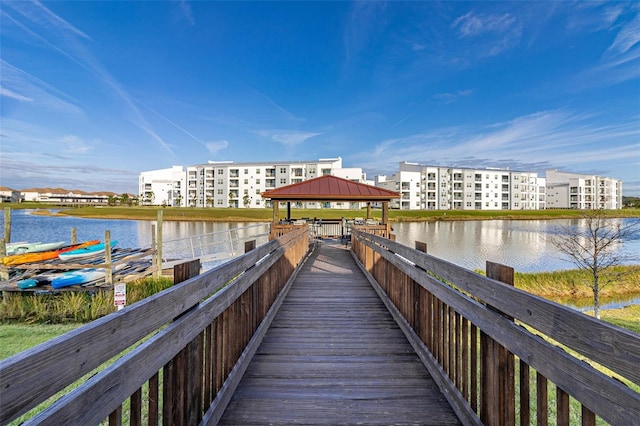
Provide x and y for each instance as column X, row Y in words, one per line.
column 521, row 244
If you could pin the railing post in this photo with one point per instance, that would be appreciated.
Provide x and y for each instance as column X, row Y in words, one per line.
column 497, row 370
column 182, row 386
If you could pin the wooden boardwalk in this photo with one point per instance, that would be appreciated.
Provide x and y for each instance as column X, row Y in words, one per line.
column 334, row 355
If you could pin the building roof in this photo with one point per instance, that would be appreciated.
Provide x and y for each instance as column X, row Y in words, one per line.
column 330, row 188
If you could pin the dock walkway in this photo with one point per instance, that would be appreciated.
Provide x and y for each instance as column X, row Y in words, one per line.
column 334, row 355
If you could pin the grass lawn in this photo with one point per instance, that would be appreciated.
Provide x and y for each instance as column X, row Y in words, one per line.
column 16, row 338
column 266, row 214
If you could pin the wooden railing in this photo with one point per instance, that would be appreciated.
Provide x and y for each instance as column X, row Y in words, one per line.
column 182, row 351
column 496, row 351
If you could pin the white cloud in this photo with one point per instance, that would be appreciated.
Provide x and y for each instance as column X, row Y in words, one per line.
column 10, row 94
column 287, row 137
column 628, row 37
column 75, row 145
column 215, row 146
column 471, row 25
column 24, row 87
column 535, row 141
column 452, row 97
column 187, row 13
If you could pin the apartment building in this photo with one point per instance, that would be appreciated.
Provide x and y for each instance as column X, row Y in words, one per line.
column 163, row 187
column 231, row 184
column 424, row 187
column 579, row 191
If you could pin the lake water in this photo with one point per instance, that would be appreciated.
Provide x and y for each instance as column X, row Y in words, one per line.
column 521, row 244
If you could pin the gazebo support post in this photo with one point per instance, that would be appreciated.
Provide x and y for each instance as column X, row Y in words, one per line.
column 385, row 217
column 276, row 211
column 288, row 211
column 368, row 209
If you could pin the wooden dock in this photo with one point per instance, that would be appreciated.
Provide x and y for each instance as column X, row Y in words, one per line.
column 334, row 355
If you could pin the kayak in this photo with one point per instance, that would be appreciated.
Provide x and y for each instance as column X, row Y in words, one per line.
column 19, row 247
column 36, row 281
column 19, row 259
column 85, row 251
column 37, row 248
column 77, row 277
column 82, row 276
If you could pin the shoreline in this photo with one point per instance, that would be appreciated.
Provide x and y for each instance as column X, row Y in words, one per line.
column 264, row 215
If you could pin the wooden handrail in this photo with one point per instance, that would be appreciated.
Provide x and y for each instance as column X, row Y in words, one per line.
column 218, row 295
column 437, row 300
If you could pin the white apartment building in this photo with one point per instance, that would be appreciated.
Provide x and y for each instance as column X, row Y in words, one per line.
column 578, row 191
column 424, row 187
column 163, row 187
column 240, row 185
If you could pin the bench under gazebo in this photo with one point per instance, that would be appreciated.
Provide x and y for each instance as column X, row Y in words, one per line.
column 329, row 188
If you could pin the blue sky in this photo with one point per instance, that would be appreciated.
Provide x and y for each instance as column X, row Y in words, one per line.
column 93, row 93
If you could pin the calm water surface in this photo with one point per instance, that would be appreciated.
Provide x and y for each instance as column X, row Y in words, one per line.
column 521, row 244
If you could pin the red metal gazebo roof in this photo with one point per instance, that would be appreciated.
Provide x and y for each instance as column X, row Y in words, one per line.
column 330, row 188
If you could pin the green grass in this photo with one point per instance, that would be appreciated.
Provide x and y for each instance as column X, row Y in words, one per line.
column 266, row 214
column 628, row 317
column 571, row 284
column 15, row 338
column 72, row 306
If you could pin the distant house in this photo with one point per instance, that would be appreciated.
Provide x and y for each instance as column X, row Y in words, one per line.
column 8, row 195
column 65, row 196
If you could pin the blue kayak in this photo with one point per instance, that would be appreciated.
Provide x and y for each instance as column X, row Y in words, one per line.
column 77, row 277
column 85, row 251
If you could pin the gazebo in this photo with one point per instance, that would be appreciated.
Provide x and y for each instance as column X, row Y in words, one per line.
column 330, row 188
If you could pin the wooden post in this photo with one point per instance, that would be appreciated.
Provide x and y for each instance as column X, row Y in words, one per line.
column 420, row 246
column 108, row 277
column 276, row 211
column 158, row 269
column 7, row 225
column 74, row 236
column 154, row 255
column 288, row 210
column 497, row 367
column 368, row 209
column 249, row 245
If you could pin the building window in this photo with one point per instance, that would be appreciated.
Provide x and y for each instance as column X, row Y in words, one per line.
column 257, row 171
column 246, row 171
column 326, row 172
column 283, row 180
column 220, row 181
column 219, row 191
column 257, row 192
column 283, row 170
column 220, row 202
column 257, row 181
column 220, row 171
column 246, row 181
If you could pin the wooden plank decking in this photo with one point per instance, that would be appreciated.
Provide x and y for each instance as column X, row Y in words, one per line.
column 334, row 355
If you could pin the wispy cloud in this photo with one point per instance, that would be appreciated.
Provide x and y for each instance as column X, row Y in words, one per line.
column 62, row 37
column 449, row 97
column 75, row 145
column 24, row 87
column 627, row 37
column 185, row 11
column 535, row 141
column 493, row 33
column 216, row 146
column 472, row 25
column 8, row 93
column 288, row 138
